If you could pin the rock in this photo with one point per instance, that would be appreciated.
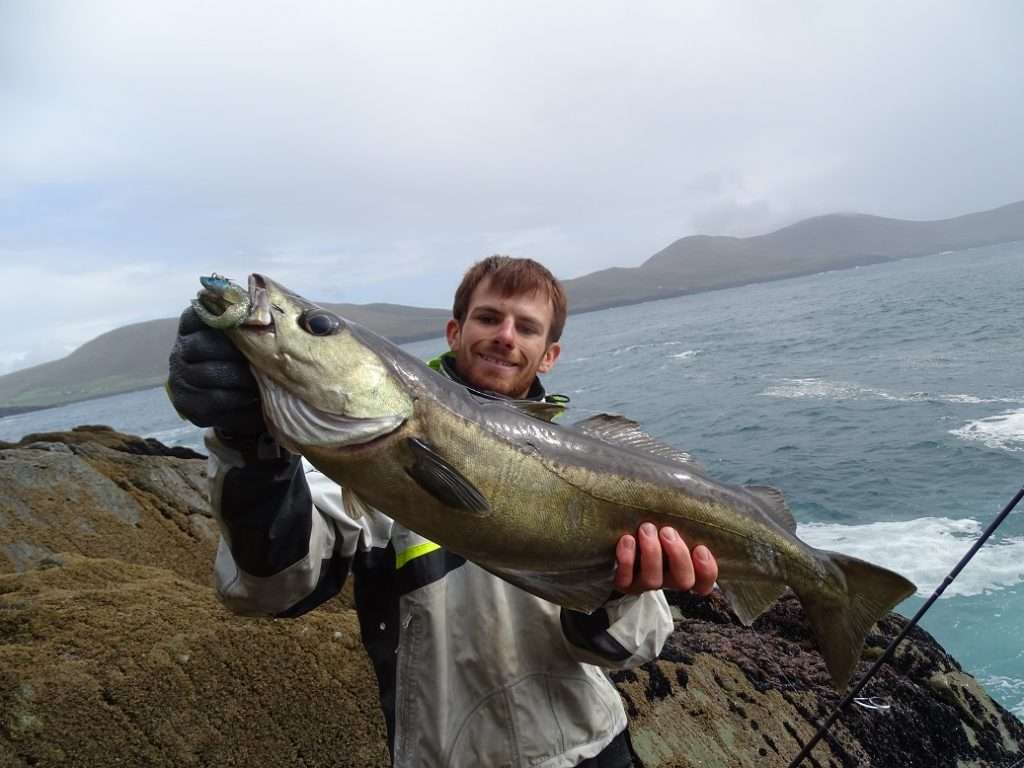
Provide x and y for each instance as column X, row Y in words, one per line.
column 105, row 663
column 114, row 650
column 104, row 497
column 726, row 695
column 106, row 436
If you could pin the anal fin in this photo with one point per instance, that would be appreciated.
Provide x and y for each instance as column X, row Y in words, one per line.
column 749, row 599
column 584, row 589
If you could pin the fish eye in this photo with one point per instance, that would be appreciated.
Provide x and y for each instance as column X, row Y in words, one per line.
column 320, row 322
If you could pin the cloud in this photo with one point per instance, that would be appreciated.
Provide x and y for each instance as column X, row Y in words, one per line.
column 373, row 150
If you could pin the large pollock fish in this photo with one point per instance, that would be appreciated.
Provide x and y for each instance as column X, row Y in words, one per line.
column 538, row 504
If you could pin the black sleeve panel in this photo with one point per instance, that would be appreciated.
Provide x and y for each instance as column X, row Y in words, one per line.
column 332, row 576
column 590, row 634
column 268, row 512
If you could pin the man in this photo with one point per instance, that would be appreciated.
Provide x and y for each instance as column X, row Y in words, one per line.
column 472, row 670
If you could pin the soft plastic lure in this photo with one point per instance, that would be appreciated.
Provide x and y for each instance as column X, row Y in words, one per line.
column 222, row 304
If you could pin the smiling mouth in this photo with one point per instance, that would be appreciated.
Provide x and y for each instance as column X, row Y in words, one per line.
column 497, row 361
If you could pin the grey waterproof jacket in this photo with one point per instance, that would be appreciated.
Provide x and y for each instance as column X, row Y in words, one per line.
column 472, row 670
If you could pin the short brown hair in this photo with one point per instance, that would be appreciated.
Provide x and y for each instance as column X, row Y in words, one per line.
column 512, row 277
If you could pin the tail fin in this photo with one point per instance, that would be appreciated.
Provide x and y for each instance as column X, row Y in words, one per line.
column 841, row 624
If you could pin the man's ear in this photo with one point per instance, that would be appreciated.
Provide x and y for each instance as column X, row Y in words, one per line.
column 451, row 332
column 550, row 355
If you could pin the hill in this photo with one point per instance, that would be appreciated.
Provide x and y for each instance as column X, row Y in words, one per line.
column 135, row 356
column 835, row 241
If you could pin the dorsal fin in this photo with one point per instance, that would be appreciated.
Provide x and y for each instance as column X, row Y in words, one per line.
column 774, row 505
column 618, row 430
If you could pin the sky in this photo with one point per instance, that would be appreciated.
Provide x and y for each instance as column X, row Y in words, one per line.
column 372, row 151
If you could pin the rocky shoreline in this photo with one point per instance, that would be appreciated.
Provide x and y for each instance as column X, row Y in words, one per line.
column 114, row 651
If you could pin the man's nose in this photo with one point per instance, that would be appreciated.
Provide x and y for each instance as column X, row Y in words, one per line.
column 507, row 331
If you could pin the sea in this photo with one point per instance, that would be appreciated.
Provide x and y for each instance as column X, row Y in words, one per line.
column 887, row 402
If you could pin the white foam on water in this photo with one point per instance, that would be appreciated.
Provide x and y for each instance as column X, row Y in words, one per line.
column 175, row 435
column 635, row 347
column 925, row 550
column 973, row 400
column 1005, row 431
column 823, row 389
column 1008, row 690
column 687, row 354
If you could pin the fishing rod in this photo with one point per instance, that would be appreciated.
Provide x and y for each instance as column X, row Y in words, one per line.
column 913, row 623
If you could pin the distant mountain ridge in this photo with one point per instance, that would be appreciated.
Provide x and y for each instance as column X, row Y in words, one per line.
column 135, row 356
column 819, row 244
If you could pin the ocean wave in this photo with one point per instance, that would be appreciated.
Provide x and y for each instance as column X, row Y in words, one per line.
column 635, row 347
column 973, row 400
column 1004, row 431
column 687, row 354
column 187, row 435
column 1009, row 690
column 823, row 389
column 925, row 550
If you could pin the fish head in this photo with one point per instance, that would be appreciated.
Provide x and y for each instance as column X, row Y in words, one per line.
column 320, row 383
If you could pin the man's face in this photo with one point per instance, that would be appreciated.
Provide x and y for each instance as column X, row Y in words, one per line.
column 503, row 342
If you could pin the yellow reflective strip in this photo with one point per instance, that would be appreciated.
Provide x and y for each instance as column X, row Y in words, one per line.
column 401, row 558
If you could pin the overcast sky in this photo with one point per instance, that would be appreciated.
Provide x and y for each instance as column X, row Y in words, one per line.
column 371, row 151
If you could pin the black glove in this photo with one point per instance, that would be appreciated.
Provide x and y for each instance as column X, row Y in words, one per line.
column 210, row 383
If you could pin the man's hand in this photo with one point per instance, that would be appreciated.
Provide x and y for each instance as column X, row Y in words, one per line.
column 210, row 383
column 656, row 559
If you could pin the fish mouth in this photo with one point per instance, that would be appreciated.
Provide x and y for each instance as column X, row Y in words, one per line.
column 259, row 317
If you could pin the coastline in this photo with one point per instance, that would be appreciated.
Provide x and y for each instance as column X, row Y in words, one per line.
column 865, row 262
column 15, row 410
column 6, row 411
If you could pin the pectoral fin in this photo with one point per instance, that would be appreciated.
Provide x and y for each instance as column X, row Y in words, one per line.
column 442, row 481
